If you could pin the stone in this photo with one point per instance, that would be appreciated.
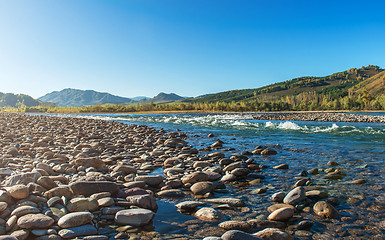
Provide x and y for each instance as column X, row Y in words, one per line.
column 59, row 192
column 304, row 225
column 20, row 234
column 23, row 210
column 171, row 193
column 278, row 197
column 23, row 178
column 111, row 210
column 46, row 182
column 236, row 225
column 189, row 205
column 325, row 210
column 101, row 195
column 238, row 235
column 228, row 177
column 278, row 206
column 201, row 188
column 282, row 166
column 82, row 204
column 3, row 206
column 235, row 202
column 239, row 172
column 262, row 224
column 134, row 217
column 106, row 202
column 96, row 237
column 195, row 177
column 143, row 201
column 125, row 192
column 273, row 234
column 359, row 181
column 127, row 169
column 75, row 219
column 90, row 162
column 295, row 196
column 5, row 197
column 49, row 237
column 54, row 200
column 33, row 221
column 45, row 167
column 6, row 171
column 19, row 191
column 316, row 194
column 91, row 187
column 42, row 232
column 234, row 165
column 282, row 214
column 150, row 180
column 208, row 214
column 10, row 224
column 5, row 237
column 84, row 230
column 268, row 152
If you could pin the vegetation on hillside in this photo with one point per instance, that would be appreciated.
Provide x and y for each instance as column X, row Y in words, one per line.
column 20, row 101
column 355, row 89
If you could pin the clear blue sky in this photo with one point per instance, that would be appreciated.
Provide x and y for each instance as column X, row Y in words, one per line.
column 190, row 47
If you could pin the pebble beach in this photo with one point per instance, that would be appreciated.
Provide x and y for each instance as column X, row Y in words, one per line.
column 65, row 177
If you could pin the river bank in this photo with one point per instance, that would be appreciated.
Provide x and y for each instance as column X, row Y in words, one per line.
column 132, row 178
column 320, row 117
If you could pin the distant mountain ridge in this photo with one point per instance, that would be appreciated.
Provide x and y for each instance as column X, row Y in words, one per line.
column 20, row 100
column 163, row 98
column 70, row 97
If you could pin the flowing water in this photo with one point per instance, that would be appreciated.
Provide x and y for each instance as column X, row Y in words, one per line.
column 358, row 148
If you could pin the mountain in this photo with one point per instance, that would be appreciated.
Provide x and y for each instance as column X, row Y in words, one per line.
column 20, row 100
column 138, row 98
column 163, row 98
column 76, row 98
column 336, row 85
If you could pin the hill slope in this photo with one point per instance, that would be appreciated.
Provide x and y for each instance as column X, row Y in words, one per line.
column 76, row 98
column 374, row 85
column 20, row 100
column 336, row 85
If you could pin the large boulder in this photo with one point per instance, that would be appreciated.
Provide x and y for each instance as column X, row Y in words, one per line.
column 295, row 196
column 22, row 178
column 32, row 221
column 144, row 201
column 82, row 204
column 135, row 217
column 92, row 187
column 239, row 235
column 325, row 210
column 75, row 219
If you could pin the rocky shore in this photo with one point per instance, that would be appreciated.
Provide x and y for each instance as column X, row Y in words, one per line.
column 74, row 178
column 319, row 116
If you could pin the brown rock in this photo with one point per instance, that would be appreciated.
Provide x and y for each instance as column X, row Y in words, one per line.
column 89, row 188
column 33, row 221
column 274, row 234
column 325, row 210
column 19, row 191
column 59, row 192
column 201, row 188
column 282, row 214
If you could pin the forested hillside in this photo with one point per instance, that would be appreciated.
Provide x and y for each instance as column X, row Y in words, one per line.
column 20, row 100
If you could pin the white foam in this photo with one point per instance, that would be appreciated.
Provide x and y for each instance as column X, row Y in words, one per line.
column 270, row 125
column 289, row 126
